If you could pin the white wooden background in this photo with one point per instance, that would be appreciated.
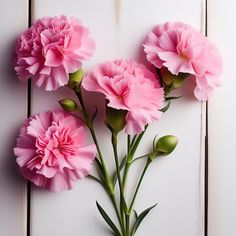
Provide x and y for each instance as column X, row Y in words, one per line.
column 176, row 182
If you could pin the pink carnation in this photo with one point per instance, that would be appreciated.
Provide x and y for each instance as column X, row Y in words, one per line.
column 52, row 151
column 128, row 86
column 181, row 48
column 52, row 48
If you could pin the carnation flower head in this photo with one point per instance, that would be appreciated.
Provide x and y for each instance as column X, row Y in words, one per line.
column 129, row 86
column 52, row 150
column 52, row 48
column 181, row 48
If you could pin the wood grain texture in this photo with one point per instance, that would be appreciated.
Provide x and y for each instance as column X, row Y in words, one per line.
column 13, row 104
column 222, row 125
column 174, row 182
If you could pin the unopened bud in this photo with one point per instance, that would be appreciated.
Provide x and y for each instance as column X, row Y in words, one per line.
column 165, row 145
column 115, row 119
column 68, row 104
column 75, row 79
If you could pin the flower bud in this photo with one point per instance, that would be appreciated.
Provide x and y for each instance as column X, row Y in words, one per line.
column 115, row 119
column 165, row 145
column 173, row 81
column 68, row 104
column 76, row 79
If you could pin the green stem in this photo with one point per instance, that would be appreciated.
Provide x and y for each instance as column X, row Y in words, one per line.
column 128, row 143
column 130, row 155
column 91, row 129
column 138, row 186
column 108, row 181
column 133, row 140
column 89, row 124
column 131, row 149
column 127, row 216
column 127, row 165
column 113, row 200
column 122, row 199
column 127, row 219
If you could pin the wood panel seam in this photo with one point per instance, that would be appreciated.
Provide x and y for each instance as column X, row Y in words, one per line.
column 206, row 148
column 28, row 228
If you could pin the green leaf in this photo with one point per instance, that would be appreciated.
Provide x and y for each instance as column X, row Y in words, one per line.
column 96, row 179
column 138, row 139
column 95, row 114
column 140, row 219
column 122, row 164
column 154, row 142
column 165, row 108
column 138, row 158
column 108, row 219
column 100, row 170
column 99, row 166
column 172, row 98
column 133, row 140
column 135, row 214
column 168, row 88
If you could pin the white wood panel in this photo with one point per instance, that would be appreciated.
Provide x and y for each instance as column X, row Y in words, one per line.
column 222, row 125
column 13, row 105
column 175, row 182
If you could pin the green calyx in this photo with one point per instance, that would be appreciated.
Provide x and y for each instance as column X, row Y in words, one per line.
column 115, row 119
column 171, row 81
column 75, row 79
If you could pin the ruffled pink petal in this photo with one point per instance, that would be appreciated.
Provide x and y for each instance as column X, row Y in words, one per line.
column 40, row 80
column 35, row 127
column 59, row 78
column 213, row 81
column 168, row 41
column 61, row 160
column 47, row 171
column 59, row 183
column 52, row 48
column 182, row 49
column 46, row 70
column 70, row 63
column 152, row 55
column 87, row 151
column 176, row 63
column 38, row 180
column 129, row 86
column 81, row 164
column 201, row 82
column 24, row 140
column 203, row 94
column 90, row 83
column 24, row 155
column 87, row 47
column 33, row 69
column 199, row 67
column 52, row 150
column 71, row 40
column 53, row 58
column 30, row 60
column 136, row 122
